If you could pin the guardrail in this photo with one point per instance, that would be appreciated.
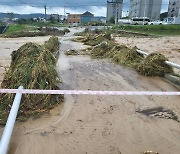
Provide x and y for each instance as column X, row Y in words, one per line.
column 6, row 136
column 5, row 29
column 167, row 62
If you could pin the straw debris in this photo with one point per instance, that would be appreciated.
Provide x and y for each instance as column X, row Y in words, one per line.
column 94, row 39
column 71, row 52
column 119, row 54
column 24, row 34
column 105, row 47
column 52, row 44
column 153, row 65
column 33, row 67
column 40, row 32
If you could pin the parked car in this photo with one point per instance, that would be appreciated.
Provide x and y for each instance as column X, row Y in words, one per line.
column 157, row 22
column 172, row 20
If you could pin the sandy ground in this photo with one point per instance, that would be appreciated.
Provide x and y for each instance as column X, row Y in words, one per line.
column 8, row 45
column 101, row 124
column 169, row 46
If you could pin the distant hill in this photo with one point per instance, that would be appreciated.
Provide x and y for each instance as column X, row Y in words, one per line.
column 25, row 16
column 35, row 15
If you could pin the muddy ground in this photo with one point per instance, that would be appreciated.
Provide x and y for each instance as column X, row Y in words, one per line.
column 169, row 46
column 102, row 124
column 10, row 44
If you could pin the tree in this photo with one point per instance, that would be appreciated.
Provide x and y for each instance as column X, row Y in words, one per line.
column 112, row 20
column 10, row 16
column 22, row 21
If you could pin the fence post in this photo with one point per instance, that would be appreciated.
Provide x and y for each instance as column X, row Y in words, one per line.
column 6, row 136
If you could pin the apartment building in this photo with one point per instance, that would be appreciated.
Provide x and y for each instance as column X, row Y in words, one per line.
column 74, row 18
column 145, row 8
column 114, row 9
column 174, row 8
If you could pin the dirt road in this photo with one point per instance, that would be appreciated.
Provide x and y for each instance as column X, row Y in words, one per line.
column 102, row 124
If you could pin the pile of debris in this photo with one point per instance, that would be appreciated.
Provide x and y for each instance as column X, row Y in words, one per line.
column 119, row 54
column 33, row 67
column 103, row 46
column 23, row 34
column 154, row 65
column 40, row 32
column 93, row 38
column 52, row 44
column 71, row 52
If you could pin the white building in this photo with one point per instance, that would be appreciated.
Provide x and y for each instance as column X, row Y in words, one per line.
column 145, row 8
column 174, row 8
column 114, row 9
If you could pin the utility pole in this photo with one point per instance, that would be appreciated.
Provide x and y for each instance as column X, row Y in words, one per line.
column 45, row 9
column 117, row 12
column 64, row 15
column 144, row 12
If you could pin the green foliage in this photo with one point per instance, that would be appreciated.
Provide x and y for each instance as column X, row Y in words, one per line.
column 18, row 30
column 16, row 27
column 22, row 21
column 10, row 16
column 152, row 29
column 23, row 34
column 112, row 20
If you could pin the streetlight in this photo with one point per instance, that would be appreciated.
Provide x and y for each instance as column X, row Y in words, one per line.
column 144, row 12
column 117, row 13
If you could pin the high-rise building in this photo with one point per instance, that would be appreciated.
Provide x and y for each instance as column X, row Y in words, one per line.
column 114, row 9
column 145, row 8
column 174, row 8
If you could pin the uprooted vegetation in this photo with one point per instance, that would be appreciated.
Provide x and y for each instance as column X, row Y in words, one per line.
column 104, row 46
column 94, row 39
column 33, row 67
column 38, row 32
column 52, row 44
column 71, row 52
column 154, row 64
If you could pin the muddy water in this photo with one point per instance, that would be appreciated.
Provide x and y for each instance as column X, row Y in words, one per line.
column 101, row 124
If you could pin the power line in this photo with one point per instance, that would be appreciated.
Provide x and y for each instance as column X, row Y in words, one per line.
column 26, row 3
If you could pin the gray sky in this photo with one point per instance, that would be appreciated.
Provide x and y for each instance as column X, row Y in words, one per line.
column 97, row 7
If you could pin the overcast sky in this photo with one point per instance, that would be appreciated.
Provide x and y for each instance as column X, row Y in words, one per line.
column 97, row 7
